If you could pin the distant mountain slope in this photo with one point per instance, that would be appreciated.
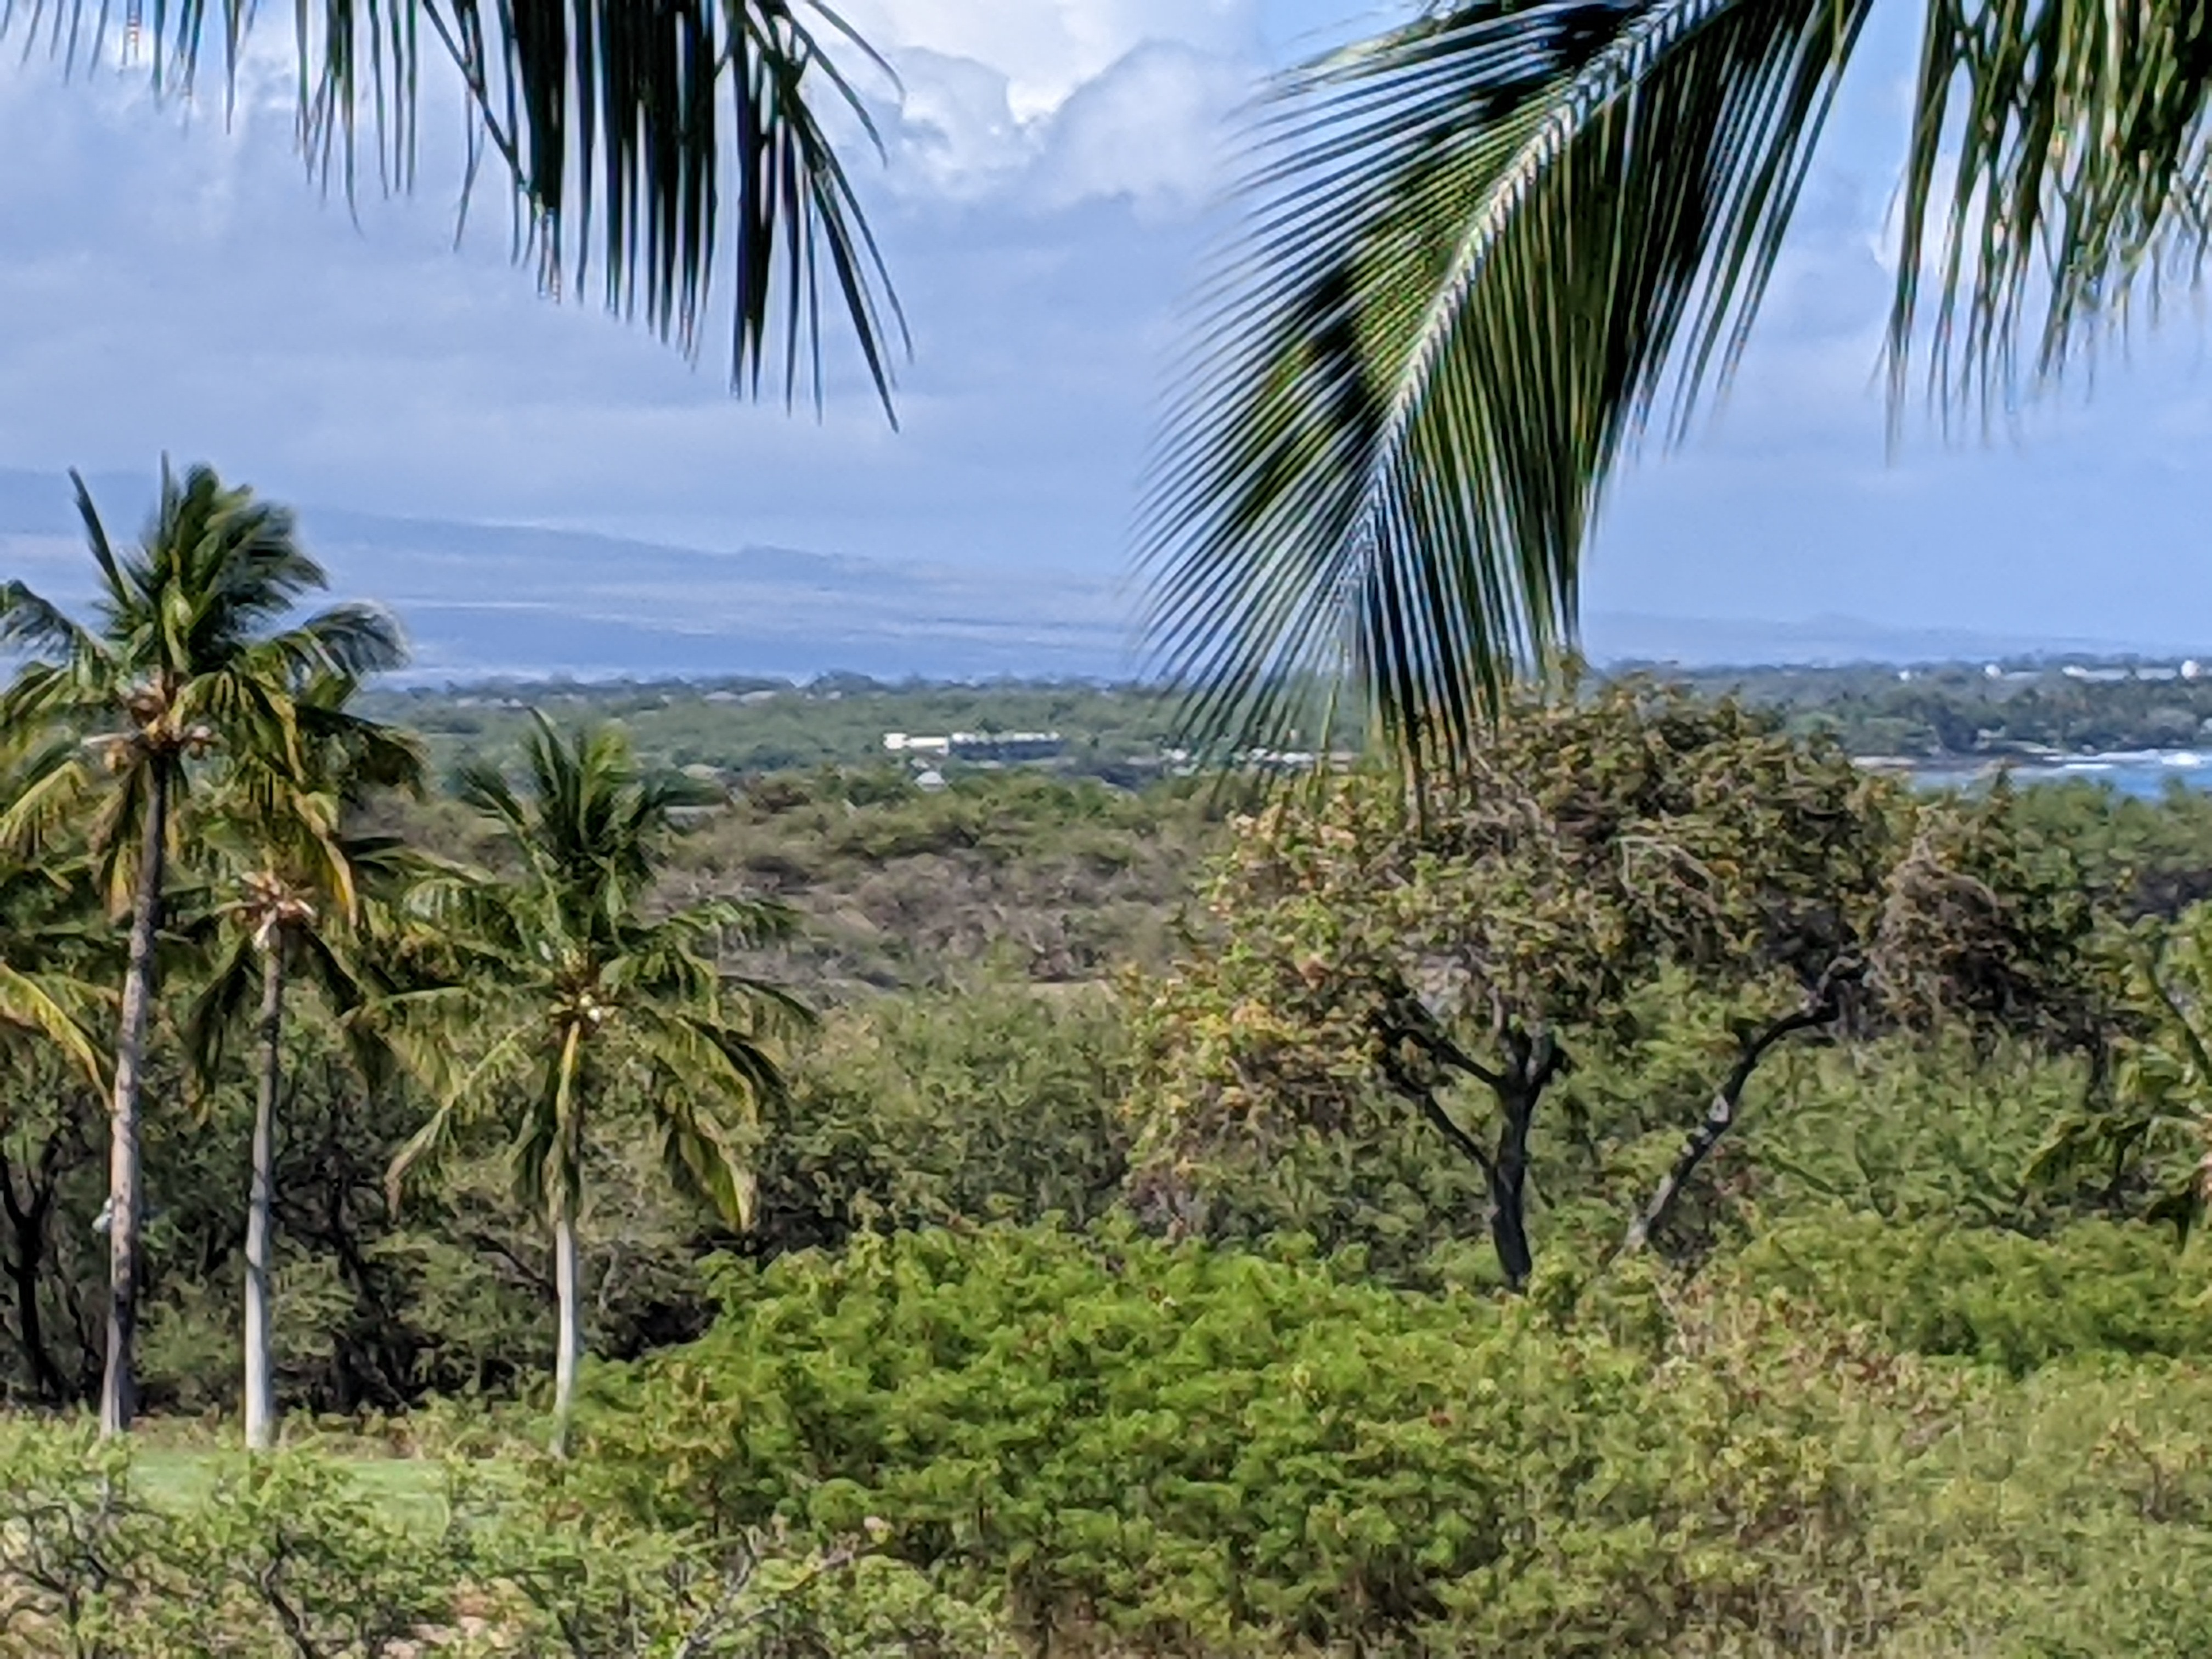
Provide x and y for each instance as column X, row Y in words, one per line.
column 490, row 597
column 485, row 599
column 493, row 598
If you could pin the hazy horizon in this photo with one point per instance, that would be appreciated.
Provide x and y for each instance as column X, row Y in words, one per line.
column 483, row 601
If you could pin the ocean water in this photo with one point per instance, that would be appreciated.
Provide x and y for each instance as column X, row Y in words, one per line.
column 2142, row 772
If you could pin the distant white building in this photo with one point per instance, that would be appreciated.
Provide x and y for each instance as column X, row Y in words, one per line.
column 983, row 748
column 1006, row 746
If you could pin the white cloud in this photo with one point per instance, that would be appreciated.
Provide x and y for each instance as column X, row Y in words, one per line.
column 956, row 133
column 1046, row 49
column 1057, row 101
column 1150, row 128
column 188, row 293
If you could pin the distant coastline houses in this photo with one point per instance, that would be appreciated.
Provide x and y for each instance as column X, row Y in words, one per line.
column 926, row 753
column 978, row 748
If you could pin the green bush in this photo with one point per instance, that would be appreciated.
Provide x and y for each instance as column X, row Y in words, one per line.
column 2094, row 1288
column 1199, row 1449
column 299, row 1556
column 998, row 1104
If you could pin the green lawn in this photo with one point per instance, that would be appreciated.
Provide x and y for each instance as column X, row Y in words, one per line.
column 409, row 1489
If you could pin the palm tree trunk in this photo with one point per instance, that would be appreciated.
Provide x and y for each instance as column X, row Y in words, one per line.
column 118, row 1390
column 260, row 1368
column 569, row 1345
column 567, row 1178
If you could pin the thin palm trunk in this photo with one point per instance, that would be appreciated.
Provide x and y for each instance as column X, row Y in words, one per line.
column 119, row 1391
column 566, row 1274
column 260, row 1368
column 569, row 1350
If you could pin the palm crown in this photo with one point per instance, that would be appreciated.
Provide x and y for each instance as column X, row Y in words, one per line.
column 590, row 980
column 185, row 655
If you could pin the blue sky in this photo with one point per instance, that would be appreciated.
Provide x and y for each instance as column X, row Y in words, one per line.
column 168, row 283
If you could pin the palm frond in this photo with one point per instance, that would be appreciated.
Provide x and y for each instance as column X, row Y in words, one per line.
column 589, row 827
column 347, row 643
column 2060, row 156
column 1478, row 248
column 421, row 1026
column 479, row 784
column 45, row 792
column 546, row 1155
column 112, row 835
column 232, row 984
column 52, row 1006
column 425, row 1046
column 424, row 1142
column 661, row 140
column 363, row 755
column 292, row 766
column 714, row 1080
column 749, row 921
column 119, row 591
column 347, row 982
column 40, row 627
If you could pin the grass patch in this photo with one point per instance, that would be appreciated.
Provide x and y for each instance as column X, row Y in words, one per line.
column 411, row 1490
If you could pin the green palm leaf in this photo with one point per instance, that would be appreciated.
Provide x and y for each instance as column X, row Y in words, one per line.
column 662, row 140
column 1477, row 245
column 47, row 787
column 55, row 1008
column 2060, row 151
column 1484, row 249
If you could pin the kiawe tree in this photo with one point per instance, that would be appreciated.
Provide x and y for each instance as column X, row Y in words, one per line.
column 1593, row 868
column 1465, row 942
column 291, row 905
column 575, row 997
column 190, row 654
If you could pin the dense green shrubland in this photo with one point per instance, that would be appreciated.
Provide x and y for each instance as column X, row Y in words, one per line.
column 970, row 1440
column 1111, row 1285
column 2093, row 1289
column 1178, row 1447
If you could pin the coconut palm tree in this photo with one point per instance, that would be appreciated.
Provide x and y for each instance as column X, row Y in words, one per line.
column 1484, row 247
column 54, row 954
column 666, row 139
column 295, row 907
column 46, row 944
column 186, row 657
column 578, row 986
